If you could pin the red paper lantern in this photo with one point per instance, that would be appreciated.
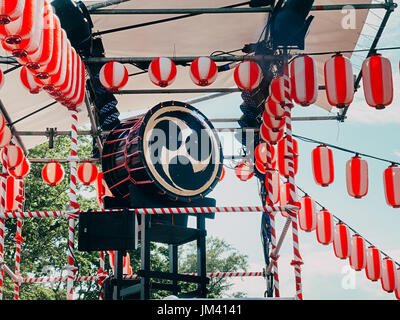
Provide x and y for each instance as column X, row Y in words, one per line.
column 391, row 182
column 79, row 93
column 244, row 171
column 307, row 214
column 357, row 177
column 284, row 196
column 270, row 136
column 12, row 193
column 339, row 81
column 389, row 279
column 283, row 157
column 260, row 154
column 203, row 71
column 87, row 173
column 29, row 81
column 278, row 92
column 357, row 253
column 303, row 80
column 322, row 163
column 373, row 267
column 397, row 291
column 341, row 241
column 162, row 72
column 377, row 81
column 53, row 66
column 22, row 170
column 5, row 136
column 324, row 227
column 248, row 75
column 274, row 194
column 11, row 10
column 272, row 123
column 15, row 156
column 27, row 29
column 114, row 76
column 53, row 173
column 274, row 109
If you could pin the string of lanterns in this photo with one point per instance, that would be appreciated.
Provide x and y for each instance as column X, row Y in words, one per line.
column 31, row 32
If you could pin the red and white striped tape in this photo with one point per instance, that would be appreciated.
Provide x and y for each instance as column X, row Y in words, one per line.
column 186, row 210
column 2, row 221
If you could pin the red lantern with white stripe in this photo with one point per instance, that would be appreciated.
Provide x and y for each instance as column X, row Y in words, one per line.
column 339, row 81
column 29, row 81
column 248, row 75
column 11, row 10
column 260, row 153
column 12, row 192
column 203, row 71
column 5, row 137
column 26, row 31
column 276, row 184
column 357, row 177
column 373, row 267
column 389, row 279
column 322, row 163
column 303, row 80
column 284, row 195
column 22, row 170
column 274, row 109
column 244, row 170
column 113, row 76
column 162, row 72
column 279, row 92
column 397, row 291
column 324, row 227
column 391, row 182
column 341, row 241
column 87, row 173
column 307, row 214
column 272, row 123
column 270, row 136
column 53, row 173
column 283, row 157
column 15, row 156
column 357, row 253
column 377, row 81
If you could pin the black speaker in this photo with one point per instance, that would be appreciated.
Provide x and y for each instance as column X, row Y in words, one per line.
column 101, row 231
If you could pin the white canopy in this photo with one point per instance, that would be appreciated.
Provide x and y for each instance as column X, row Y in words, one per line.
column 195, row 36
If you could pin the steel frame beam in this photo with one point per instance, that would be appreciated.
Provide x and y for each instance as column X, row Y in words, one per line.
column 365, row 6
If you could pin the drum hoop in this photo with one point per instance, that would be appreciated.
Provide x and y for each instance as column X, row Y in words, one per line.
column 144, row 161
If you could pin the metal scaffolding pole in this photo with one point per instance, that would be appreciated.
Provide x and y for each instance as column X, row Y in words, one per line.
column 362, row 6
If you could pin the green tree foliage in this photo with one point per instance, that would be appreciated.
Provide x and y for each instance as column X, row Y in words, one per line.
column 45, row 249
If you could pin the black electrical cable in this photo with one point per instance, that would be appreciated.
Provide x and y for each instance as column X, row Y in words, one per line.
column 305, row 139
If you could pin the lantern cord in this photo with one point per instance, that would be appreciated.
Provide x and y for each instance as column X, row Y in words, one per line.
column 305, row 139
column 341, row 221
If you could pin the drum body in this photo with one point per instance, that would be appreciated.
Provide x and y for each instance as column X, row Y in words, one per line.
column 172, row 151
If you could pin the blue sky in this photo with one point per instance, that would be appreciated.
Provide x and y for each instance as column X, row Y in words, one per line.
column 366, row 130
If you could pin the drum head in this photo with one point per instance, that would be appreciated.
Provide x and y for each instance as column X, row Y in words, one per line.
column 180, row 150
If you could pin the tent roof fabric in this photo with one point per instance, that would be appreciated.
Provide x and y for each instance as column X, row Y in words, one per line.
column 199, row 35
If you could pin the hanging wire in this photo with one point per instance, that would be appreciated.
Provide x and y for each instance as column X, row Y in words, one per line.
column 305, row 139
column 352, row 229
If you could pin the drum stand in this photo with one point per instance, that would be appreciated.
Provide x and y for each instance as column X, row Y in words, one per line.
column 167, row 229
